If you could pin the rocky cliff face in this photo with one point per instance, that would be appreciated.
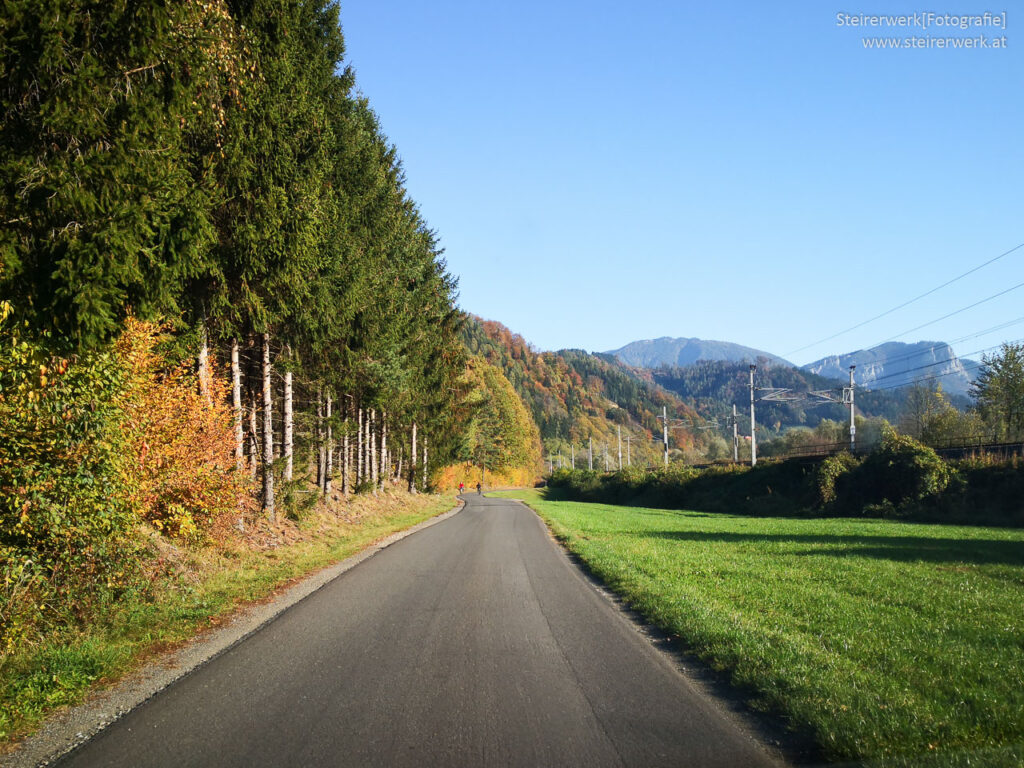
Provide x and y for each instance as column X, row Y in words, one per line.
column 896, row 364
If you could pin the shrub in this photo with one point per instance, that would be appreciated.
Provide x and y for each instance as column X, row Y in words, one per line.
column 181, row 464
column 829, row 472
column 65, row 515
column 900, row 470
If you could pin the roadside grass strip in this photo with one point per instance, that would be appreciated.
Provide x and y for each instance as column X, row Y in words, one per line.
column 206, row 584
column 889, row 642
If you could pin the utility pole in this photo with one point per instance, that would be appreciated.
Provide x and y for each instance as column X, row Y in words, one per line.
column 619, row 429
column 753, row 423
column 853, row 427
column 590, row 454
column 664, row 425
column 735, row 437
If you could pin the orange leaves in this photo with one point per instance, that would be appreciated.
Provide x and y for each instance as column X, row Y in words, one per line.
column 184, row 479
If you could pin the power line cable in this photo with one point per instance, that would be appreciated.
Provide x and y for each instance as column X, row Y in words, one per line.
column 957, row 312
column 907, row 303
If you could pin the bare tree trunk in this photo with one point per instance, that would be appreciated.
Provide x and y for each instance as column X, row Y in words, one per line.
column 330, row 451
column 359, row 448
column 373, row 449
column 268, row 434
column 289, row 447
column 345, row 457
column 398, row 473
column 412, row 461
column 367, row 447
column 254, row 446
column 321, row 464
column 236, row 404
column 425, row 463
column 385, row 464
column 204, row 367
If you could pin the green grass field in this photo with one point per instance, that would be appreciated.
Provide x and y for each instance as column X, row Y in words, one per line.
column 895, row 643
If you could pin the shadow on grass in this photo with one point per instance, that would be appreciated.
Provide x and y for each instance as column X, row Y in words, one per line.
column 898, row 548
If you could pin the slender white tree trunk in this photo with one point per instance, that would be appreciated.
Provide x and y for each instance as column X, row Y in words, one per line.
column 398, row 473
column 412, row 461
column 373, row 448
column 330, row 451
column 345, row 456
column 367, row 448
column 254, row 446
column 359, row 446
column 204, row 367
column 425, row 463
column 268, row 434
column 289, row 447
column 321, row 461
column 385, row 464
column 236, row 404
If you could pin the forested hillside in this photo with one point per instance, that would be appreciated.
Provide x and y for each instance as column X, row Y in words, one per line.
column 576, row 398
column 712, row 387
column 214, row 287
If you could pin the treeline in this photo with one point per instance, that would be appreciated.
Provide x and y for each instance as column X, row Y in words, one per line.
column 211, row 277
column 211, row 164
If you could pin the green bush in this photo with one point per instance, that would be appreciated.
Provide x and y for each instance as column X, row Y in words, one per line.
column 829, row 472
column 900, row 479
column 900, row 471
column 65, row 515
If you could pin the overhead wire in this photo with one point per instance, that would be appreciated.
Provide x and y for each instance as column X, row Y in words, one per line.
column 909, row 302
column 957, row 312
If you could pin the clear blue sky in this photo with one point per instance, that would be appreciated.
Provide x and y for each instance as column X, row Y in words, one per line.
column 601, row 172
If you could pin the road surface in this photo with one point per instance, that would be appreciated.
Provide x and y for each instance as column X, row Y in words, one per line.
column 474, row 642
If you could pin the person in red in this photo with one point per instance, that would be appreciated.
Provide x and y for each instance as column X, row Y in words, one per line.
column 462, row 487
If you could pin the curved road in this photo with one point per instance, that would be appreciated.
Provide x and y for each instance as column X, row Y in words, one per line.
column 474, row 642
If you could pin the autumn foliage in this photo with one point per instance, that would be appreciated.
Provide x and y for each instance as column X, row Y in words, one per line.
column 93, row 446
column 180, row 441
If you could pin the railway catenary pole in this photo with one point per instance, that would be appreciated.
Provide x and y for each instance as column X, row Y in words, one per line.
column 735, row 437
column 853, row 426
column 664, row 433
column 619, row 430
column 753, row 423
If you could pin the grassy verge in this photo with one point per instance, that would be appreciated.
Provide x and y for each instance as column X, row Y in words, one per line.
column 891, row 642
column 195, row 588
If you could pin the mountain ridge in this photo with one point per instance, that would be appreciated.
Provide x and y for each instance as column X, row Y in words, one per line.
column 888, row 365
column 681, row 351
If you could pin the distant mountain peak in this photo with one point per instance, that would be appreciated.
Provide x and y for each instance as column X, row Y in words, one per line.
column 666, row 350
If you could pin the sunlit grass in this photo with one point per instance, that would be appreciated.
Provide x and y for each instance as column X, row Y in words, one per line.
column 887, row 641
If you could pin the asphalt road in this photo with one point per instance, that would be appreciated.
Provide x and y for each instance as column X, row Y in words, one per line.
column 474, row 642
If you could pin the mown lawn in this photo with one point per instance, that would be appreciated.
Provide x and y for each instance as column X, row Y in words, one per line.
column 890, row 642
